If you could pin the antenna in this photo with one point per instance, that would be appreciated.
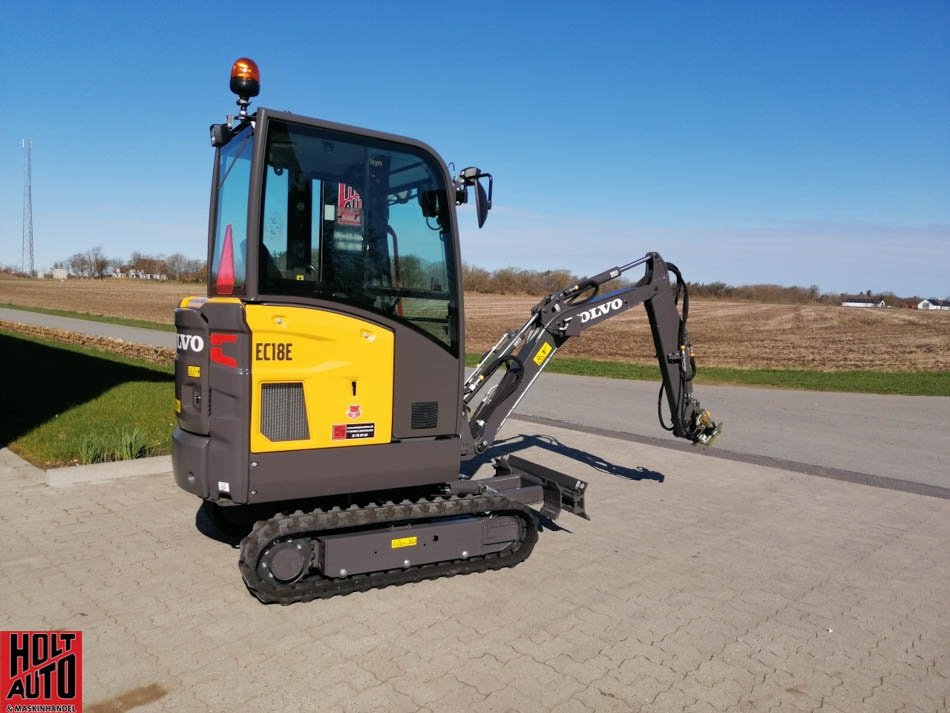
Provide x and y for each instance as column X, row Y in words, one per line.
column 27, row 209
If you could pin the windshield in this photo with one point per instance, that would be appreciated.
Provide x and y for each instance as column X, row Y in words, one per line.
column 233, row 177
column 360, row 221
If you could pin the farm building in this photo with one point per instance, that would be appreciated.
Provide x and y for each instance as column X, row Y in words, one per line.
column 862, row 301
column 934, row 304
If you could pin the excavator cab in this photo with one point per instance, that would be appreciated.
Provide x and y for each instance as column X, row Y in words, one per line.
column 336, row 214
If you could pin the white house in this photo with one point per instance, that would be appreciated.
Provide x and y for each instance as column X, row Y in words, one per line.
column 934, row 304
column 862, row 302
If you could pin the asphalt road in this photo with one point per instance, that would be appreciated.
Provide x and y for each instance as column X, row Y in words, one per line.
column 151, row 337
column 892, row 441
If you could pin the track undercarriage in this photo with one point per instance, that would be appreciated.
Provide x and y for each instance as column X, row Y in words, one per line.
column 476, row 526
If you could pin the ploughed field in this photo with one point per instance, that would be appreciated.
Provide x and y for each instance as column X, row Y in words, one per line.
column 727, row 334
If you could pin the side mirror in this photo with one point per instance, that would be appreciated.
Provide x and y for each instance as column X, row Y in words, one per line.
column 482, row 203
column 473, row 177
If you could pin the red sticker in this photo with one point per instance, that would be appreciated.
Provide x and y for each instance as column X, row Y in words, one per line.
column 353, row 431
column 41, row 671
column 354, row 411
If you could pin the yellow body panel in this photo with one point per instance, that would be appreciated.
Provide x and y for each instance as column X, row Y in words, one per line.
column 196, row 302
column 331, row 355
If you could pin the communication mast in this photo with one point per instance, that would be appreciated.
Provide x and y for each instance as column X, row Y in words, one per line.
column 26, row 256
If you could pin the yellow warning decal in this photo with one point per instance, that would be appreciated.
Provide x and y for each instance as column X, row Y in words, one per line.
column 177, row 405
column 194, row 372
column 404, row 542
column 542, row 354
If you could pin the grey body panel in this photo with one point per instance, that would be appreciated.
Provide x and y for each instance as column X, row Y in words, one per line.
column 374, row 550
column 190, row 462
column 292, row 475
column 424, row 372
column 191, row 391
column 229, row 403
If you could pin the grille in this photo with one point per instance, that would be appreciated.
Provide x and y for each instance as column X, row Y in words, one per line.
column 283, row 412
column 425, row 414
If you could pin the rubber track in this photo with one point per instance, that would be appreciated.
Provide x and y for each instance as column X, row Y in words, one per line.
column 317, row 522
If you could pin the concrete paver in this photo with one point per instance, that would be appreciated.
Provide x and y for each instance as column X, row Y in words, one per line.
column 700, row 585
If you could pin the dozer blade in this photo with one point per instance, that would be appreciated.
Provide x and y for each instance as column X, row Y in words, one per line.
column 560, row 491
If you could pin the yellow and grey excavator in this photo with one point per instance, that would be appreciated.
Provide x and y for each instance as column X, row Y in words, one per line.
column 323, row 373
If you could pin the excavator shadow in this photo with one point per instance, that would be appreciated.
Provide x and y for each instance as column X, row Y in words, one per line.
column 515, row 444
column 549, row 443
column 218, row 532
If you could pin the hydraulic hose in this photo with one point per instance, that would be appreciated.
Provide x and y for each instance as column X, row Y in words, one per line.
column 680, row 411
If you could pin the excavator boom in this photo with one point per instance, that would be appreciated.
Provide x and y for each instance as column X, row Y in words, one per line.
column 561, row 315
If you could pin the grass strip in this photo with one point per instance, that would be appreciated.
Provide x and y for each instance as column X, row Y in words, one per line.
column 73, row 405
column 141, row 323
column 909, row 383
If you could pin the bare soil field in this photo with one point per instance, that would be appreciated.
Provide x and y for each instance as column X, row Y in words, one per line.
column 727, row 334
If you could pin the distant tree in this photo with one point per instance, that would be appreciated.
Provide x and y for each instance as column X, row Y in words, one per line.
column 507, row 280
column 475, row 279
column 97, row 262
column 176, row 266
column 148, row 264
column 197, row 271
column 79, row 265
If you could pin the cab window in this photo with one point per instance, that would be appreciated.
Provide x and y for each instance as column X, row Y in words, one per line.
column 359, row 221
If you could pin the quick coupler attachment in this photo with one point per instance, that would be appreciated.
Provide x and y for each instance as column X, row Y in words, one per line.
column 531, row 483
column 705, row 430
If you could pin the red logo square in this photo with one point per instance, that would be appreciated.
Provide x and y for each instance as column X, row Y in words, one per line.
column 41, row 668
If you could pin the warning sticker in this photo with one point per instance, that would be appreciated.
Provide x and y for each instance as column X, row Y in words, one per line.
column 542, row 354
column 404, row 542
column 353, row 431
column 194, row 371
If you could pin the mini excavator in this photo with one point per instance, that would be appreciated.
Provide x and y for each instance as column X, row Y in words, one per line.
column 323, row 373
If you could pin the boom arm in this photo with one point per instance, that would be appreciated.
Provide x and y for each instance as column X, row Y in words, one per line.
column 562, row 315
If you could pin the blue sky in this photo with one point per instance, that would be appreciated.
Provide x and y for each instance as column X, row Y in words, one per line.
column 793, row 143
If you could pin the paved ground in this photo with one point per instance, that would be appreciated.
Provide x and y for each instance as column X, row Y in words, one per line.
column 700, row 585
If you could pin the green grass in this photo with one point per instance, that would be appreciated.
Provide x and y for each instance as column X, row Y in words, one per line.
column 63, row 404
column 94, row 317
column 913, row 383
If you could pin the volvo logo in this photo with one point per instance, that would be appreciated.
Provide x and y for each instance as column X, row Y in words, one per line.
column 190, row 342
column 601, row 310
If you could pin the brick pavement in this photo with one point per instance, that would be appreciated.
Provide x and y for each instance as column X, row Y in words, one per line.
column 699, row 585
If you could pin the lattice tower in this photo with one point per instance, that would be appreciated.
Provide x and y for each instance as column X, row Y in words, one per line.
column 26, row 256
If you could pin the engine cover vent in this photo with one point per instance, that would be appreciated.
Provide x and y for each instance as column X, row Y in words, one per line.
column 283, row 412
column 425, row 414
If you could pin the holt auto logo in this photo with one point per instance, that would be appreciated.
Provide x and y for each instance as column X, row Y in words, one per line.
column 41, row 671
